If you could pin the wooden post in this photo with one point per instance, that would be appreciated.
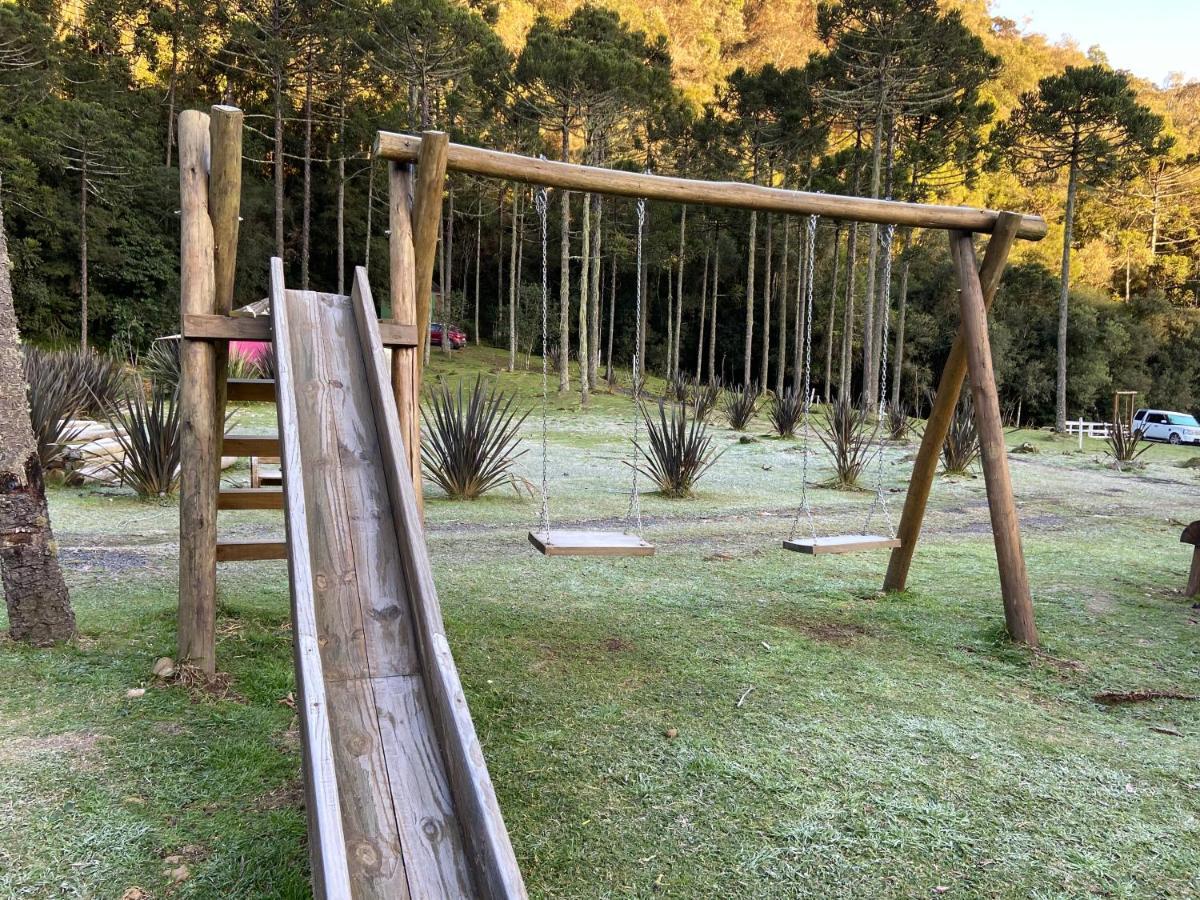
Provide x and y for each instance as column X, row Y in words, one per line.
column 225, row 203
column 944, row 402
column 406, row 361
column 1006, row 531
column 198, row 483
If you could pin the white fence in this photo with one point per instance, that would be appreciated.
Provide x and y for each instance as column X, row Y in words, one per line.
column 1089, row 429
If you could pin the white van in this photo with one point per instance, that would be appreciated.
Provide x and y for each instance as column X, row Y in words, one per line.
column 1165, row 425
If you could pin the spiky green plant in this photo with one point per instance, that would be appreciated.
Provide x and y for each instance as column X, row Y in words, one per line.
column 786, row 411
column 56, row 396
column 960, row 449
column 897, row 422
column 705, row 398
column 147, row 427
column 847, row 434
column 1125, row 445
column 161, row 364
column 470, row 439
column 679, row 389
column 741, row 405
column 104, row 379
column 677, row 450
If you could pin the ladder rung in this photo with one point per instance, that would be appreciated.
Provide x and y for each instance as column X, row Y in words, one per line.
column 250, row 498
column 246, row 551
column 250, row 445
column 251, row 390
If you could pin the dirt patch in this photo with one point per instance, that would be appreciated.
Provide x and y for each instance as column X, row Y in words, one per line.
column 1115, row 698
column 286, row 796
column 616, row 645
column 1100, row 604
column 838, row 633
column 79, row 745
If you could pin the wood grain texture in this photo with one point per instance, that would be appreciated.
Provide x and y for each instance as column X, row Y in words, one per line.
column 589, row 543
column 250, row 498
column 406, row 361
column 489, row 851
column 258, row 328
column 1006, row 530
column 589, row 179
column 250, row 551
column 238, row 444
column 327, row 843
column 251, row 390
column 841, row 543
column 199, row 429
column 427, row 216
column 945, row 401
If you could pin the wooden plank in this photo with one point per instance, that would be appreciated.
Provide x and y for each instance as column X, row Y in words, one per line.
column 327, row 844
column 589, row 543
column 427, row 218
column 251, row 390
column 945, row 402
column 200, row 433
column 250, row 551
column 225, row 201
column 842, row 543
column 238, row 444
column 258, row 328
column 589, row 179
column 494, row 864
column 406, row 361
column 250, row 498
column 1006, row 530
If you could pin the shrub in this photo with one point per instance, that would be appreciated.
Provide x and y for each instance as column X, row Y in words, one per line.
column 678, row 450
column 266, row 363
column 242, row 365
column 147, row 427
column 470, row 439
column 786, row 411
column 704, row 398
column 847, row 435
column 679, row 389
column 741, row 405
column 897, row 422
column 1124, row 445
column 55, row 397
column 961, row 447
column 161, row 363
column 104, row 379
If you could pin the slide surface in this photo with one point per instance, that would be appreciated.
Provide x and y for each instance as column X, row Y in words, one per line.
column 399, row 799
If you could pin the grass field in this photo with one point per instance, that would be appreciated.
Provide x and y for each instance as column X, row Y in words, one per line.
column 722, row 720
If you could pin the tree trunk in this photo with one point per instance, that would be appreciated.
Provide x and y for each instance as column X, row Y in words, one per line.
column 670, row 323
column 172, row 79
column 512, row 283
column 585, row 266
column 478, row 261
column 83, row 249
column 39, row 608
column 703, row 310
column 781, row 359
column 832, row 321
column 278, row 87
column 370, row 211
column 1064, row 293
column 844, row 379
column 679, row 289
column 612, row 311
column 445, row 267
column 593, row 364
column 748, row 344
column 712, row 322
column 901, row 313
column 306, row 211
column 768, row 290
column 564, row 286
column 341, row 200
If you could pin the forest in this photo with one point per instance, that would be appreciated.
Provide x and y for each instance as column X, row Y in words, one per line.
column 905, row 99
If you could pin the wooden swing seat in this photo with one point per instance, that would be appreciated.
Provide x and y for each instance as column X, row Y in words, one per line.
column 840, row 543
column 589, row 543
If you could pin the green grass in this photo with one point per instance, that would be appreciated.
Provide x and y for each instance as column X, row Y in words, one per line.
column 888, row 746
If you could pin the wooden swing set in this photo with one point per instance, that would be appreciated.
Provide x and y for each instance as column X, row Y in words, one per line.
column 210, row 183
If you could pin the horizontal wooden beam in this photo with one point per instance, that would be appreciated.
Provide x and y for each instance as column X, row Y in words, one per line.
column 251, row 390
column 248, row 551
column 200, row 327
column 250, row 498
column 571, row 177
column 250, row 445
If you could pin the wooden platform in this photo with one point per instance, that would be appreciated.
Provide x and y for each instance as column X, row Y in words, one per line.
column 841, row 543
column 590, row 543
column 398, row 796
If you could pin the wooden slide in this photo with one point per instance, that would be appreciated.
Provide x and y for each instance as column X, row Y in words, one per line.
column 398, row 795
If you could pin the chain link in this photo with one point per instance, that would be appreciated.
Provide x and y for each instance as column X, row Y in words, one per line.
column 544, row 515
column 810, row 253
column 880, row 503
column 635, row 497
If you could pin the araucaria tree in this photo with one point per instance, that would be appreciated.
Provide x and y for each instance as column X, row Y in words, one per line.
column 1088, row 122
column 39, row 610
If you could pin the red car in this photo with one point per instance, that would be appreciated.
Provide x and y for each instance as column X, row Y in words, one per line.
column 439, row 332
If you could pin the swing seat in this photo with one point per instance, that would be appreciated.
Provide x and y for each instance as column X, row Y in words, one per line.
column 589, row 543
column 840, row 543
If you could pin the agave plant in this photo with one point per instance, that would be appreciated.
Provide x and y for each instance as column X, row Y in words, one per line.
column 847, row 434
column 1125, row 445
column 266, row 363
column 705, row 397
column 471, row 439
column 104, row 379
column 161, row 363
column 786, row 410
column 897, row 422
column 961, row 447
column 678, row 450
column 147, row 427
column 741, row 405
column 56, row 396
column 679, row 388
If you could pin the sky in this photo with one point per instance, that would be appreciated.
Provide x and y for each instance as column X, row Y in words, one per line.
column 1151, row 38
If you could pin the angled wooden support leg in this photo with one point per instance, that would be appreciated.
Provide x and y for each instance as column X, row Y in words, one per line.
column 944, row 402
column 1006, row 531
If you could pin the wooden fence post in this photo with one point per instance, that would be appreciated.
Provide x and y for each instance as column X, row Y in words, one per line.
column 925, row 465
column 224, row 205
column 1006, row 530
column 406, row 361
column 200, row 435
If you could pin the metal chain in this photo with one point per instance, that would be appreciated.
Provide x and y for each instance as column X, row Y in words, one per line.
column 544, row 515
column 880, row 502
column 805, row 506
column 635, row 497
